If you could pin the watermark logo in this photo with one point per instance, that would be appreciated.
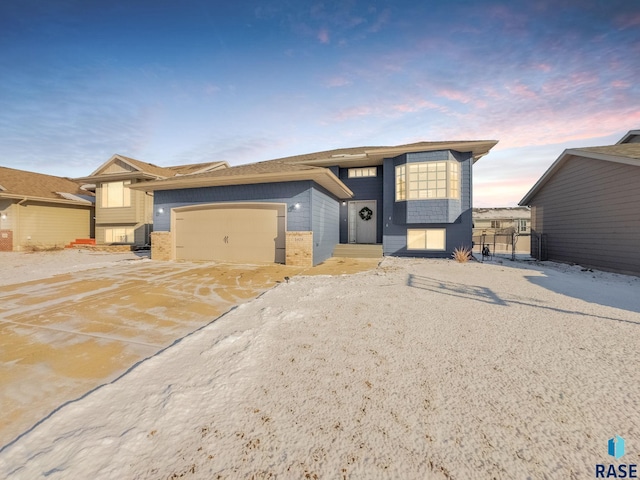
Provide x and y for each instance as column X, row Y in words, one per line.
column 616, row 447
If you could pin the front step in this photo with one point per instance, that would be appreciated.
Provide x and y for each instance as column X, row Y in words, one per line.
column 357, row 250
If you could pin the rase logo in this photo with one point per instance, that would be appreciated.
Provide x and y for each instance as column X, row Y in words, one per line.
column 615, row 448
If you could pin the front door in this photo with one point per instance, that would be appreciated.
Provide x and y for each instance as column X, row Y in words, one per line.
column 362, row 221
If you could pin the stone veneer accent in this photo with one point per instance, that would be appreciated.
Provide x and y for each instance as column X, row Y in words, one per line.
column 161, row 246
column 299, row 249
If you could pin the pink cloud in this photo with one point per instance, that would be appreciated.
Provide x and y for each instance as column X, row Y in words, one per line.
column 522, row 90
column 620, row 84
column 628, row 21
column 323, row 36
column 543, row 67
column 354, row 112
column 338, row 81
column 454, row 95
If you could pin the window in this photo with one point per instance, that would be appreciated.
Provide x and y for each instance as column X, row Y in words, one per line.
column 116, row 194
column 362, row 172
column 427, row 180
column 119, row 235
column 522, row 225
column 496, row 224
column 429, row 239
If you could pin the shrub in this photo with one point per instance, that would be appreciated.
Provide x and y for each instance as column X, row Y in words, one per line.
column 462, row 254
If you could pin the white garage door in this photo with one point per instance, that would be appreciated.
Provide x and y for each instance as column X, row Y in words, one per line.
column 239, row 233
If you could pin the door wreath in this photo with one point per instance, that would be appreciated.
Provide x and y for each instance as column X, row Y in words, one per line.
column 365, row 213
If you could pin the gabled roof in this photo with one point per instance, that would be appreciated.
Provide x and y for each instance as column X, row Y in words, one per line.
column 149, row 171
column 20, row 184
column 253, row 173
column 627, row 153
column 310, row 166
column 632, row 136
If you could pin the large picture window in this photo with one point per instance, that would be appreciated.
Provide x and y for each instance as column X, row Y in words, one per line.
column 427, row 239
column 116, row 194
column 427, row 180
column 119, row 235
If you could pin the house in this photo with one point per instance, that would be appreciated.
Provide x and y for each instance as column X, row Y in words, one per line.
column 41, row 211
column 499, row 227
column 123, row 215
column 584, row 208
column 412, row 200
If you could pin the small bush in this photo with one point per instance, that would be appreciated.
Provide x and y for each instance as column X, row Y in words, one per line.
column 462, row 254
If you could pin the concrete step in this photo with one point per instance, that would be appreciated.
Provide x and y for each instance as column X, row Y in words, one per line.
column 357, row 250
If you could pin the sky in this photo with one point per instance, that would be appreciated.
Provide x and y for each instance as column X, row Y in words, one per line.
column 176, row 82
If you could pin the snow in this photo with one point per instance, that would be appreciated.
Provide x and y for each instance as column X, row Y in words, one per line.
column 418, row 369
column 18, row 267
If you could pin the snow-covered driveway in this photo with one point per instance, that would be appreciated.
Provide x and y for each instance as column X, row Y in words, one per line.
column 61, row 336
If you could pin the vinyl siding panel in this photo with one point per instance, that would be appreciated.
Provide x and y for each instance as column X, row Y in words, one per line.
column 289, row 193
column 134, row 214
column 46, row 226
column 324, row 224
column 589, row 211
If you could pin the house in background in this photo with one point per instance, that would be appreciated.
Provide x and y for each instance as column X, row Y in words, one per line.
column 496, row 226
column 412, row 200
column 585, row 208
column 123, row 215
column 42, row 211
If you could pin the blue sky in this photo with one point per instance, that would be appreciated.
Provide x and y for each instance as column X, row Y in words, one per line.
column 172, row 82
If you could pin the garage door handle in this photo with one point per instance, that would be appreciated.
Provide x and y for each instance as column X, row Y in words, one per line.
column 226, row 239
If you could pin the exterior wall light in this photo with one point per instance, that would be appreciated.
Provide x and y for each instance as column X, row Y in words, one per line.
column 161, row 210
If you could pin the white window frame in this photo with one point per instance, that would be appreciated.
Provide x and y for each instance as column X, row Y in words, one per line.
column 119, row 235
column 120, row 196
column 427, row 239
column 428, row 181
column 362, row 172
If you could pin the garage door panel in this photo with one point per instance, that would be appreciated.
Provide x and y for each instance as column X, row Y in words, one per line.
column 243, row 234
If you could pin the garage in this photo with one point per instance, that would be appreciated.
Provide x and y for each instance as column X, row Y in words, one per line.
column 235, row 233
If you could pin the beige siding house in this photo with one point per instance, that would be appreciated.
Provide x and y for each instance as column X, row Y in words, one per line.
column 124, row 215
column 496, row 227
column 585, row 208
column 42, row 211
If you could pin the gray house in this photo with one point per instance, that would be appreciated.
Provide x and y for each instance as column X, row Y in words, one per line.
column 412, row 200
column 585, row 209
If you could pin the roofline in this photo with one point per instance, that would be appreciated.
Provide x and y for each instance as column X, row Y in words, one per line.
column 83, row 203
column 630, row 133
column 321, row 176
column 375, row 156
column 573, row 152
column 108, row 177
column 113, row 157
column 208, row 168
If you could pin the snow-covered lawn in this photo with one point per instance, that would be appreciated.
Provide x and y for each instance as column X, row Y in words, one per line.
column 418, row 369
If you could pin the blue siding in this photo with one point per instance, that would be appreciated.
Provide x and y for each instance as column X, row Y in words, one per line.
column 325, row 217
column 281, row 192
column 363, row 188
column 452, row 215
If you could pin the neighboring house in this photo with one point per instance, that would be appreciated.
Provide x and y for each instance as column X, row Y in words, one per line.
column 585, row 208
column 496, row 226
column 125, row 216
column 413, row 200
column 41, row 211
